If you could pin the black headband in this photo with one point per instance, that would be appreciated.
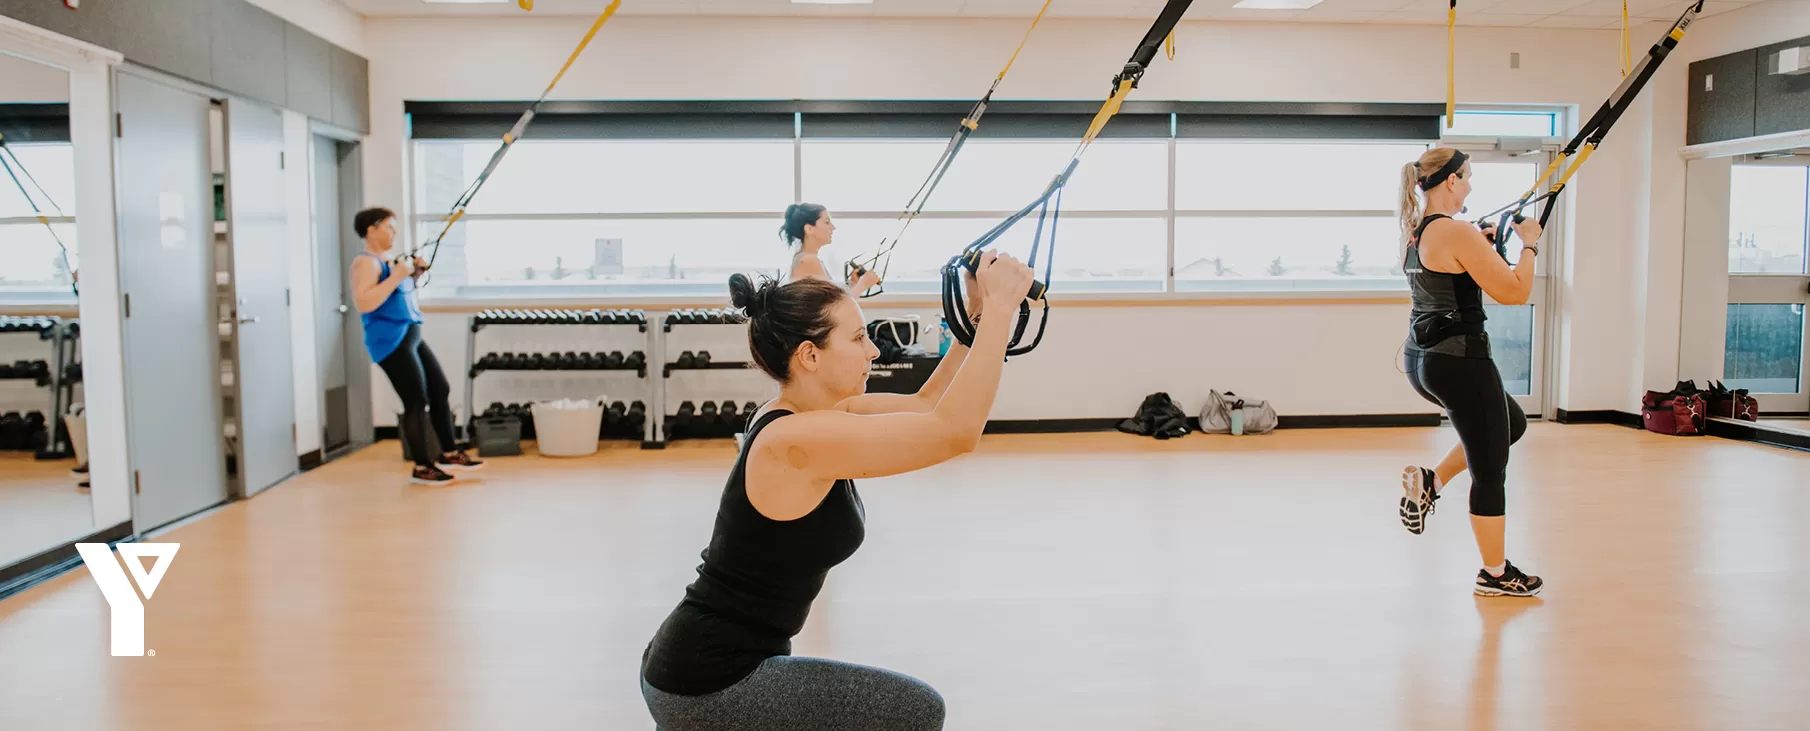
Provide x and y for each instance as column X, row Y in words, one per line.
column 1445, row 171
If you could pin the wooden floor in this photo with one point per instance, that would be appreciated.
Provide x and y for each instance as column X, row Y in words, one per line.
column 40, row 506
column 1094, row 581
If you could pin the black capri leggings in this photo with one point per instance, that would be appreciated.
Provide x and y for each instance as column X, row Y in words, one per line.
column 1486, row 417
column 416, row 375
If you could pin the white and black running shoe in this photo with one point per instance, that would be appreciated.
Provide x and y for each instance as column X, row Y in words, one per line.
column 1512, row 582
column 1417, row 499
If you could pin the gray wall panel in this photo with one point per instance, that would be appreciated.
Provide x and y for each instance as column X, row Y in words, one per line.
column 1781, row 103
column 351, row 91
column 169, row 35
column 310, row 74
column 248, row 51
column 1724, row 109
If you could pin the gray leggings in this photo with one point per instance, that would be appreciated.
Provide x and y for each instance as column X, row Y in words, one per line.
column 804, row 693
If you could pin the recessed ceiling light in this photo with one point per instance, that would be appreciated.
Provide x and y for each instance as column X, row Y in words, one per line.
column 1276, row 4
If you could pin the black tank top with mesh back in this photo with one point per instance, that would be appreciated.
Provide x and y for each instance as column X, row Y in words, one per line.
column 1448, row 312
column 755, row 586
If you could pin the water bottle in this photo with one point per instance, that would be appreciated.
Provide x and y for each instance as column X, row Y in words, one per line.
column 1238, row 417
column 942, row 347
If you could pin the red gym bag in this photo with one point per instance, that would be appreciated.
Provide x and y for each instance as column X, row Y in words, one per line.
column 1680, row 412
column 1732, row 404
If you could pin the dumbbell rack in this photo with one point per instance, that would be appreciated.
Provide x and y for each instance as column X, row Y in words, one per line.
column 61, row 334
column 560, row 317
column 704, row 318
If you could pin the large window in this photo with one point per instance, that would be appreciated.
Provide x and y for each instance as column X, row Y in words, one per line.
column 1183, row 202
column 1767, row 209
column 33, row 262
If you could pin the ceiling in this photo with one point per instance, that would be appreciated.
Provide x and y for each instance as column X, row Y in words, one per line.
column 1533, row 13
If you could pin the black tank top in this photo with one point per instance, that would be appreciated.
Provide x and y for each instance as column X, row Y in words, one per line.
column 755, row 586
column 1448, row 311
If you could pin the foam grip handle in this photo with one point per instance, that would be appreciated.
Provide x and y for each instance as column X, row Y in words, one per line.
column 971, row 262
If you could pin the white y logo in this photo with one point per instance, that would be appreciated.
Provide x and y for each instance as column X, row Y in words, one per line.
column 128, row 611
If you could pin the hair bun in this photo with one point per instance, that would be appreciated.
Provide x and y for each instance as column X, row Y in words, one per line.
column 753, row 301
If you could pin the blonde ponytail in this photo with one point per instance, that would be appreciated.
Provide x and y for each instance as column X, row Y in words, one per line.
column 1410, row 200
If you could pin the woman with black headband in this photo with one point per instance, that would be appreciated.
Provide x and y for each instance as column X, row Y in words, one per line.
column 1450, row 264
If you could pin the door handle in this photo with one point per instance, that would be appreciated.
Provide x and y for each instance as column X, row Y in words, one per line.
column 248, row 320
column 343, row 309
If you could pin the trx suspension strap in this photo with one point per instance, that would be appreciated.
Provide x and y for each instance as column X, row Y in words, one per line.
column 881, row 261
column 1049, row 205
column 1591, row 133
column 7, row 152
column 514, row 134
column 1451, row 69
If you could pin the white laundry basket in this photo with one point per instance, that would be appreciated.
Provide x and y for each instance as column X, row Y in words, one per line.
column 568, row 427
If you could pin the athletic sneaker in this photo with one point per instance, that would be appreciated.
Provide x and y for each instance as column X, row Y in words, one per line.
column 81, row 469
column 83, row 485
column 1512, row 582
column 430, row 476
column 459, row 462
column 1418, row 497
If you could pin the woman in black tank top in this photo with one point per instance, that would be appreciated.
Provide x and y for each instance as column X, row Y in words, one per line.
column 790, row 512
column 1450, row 264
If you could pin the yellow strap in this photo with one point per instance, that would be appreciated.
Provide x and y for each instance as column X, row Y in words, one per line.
column 1110, row 108
column 601, row 19
column 1578, row 163
column 1628, row 51
column 1169, row 45
column 526, row 4
column 1451, row 55
column 1026, row 39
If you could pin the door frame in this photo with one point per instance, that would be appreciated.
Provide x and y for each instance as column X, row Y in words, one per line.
column 1542, row 393
column 358, row 369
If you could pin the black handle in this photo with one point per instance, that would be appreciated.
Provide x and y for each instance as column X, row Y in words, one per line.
column 970, row 260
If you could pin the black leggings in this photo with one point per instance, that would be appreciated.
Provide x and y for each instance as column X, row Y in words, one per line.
column 1486, row 417
column 416, row 375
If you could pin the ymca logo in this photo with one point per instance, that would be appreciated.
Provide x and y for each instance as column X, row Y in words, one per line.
column 128, row 611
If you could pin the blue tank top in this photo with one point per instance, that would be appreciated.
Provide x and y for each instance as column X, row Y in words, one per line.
column 386, row 326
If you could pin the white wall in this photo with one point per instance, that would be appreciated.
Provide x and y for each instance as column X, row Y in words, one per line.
column 30, row 81
column 325, row 18
column 1656, row 124
column 1333, row 359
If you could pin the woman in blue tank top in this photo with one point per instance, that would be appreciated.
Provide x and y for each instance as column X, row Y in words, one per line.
column 385, row 293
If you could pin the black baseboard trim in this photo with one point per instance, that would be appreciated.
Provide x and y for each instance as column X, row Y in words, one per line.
column 54, row 562
column 1603, row 416
column 1749, row 432
column 1050, row 426
column 652, row 445
column 386, row 432
column 309, row 461
column 1357, row 421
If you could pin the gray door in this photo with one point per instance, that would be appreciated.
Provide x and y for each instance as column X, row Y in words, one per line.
column 358, row 372
column 257, row 221
column 330, row 283
column 166, row 270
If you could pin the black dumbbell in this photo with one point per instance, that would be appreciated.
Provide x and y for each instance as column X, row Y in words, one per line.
column 727, row 414
column 537, row 362
column 672, row 318
column 570, row 361
column 637, row 415
column 702, row 359
column 687, row 412
column 495, row 409
column 487, row 362
column 707, row 416
column 73, row 372
column 686, row 360
column 6, row 371
column 616, row 413
column 635, row 360
column 12, row 431
column 613, row 360
column 590, row 361
column 749, row 408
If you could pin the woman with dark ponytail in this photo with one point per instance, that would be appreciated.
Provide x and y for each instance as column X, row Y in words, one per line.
column 809, row 228
column 789, row 512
